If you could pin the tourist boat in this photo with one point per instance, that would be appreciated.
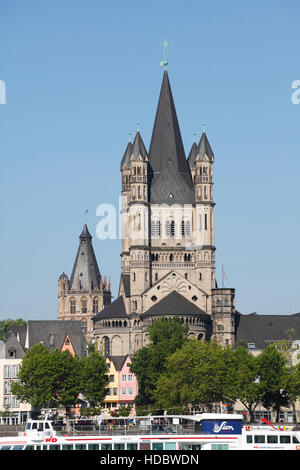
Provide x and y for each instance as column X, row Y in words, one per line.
column 206, row 431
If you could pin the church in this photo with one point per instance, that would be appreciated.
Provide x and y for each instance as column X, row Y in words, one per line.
column 168, row 253
column 168, row 248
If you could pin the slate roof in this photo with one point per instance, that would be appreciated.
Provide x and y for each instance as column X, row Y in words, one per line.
column 175, row 304
column 85, row 267
column 171, row 178
column 52, row 334
column 118, row 361
column 138, row 147
column 263, row 329
column 126, row 157
column 114, row 310
column 203, row 148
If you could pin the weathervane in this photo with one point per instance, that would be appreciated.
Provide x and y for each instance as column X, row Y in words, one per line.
column 165, row 44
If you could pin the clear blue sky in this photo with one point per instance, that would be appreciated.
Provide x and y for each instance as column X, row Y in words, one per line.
column 80, row 74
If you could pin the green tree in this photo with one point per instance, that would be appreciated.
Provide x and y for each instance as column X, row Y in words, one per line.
column 247, row 387
column 199, row 372
column 93, row 378
column 5, row 326
column 148, row 363
column 272, row 376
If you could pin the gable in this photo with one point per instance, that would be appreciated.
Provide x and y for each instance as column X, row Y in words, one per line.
column 173, row 281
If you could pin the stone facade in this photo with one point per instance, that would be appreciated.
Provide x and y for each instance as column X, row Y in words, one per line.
column 86, row 293
column 168, row 245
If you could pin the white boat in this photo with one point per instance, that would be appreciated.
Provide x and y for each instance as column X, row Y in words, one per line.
column 210, row 431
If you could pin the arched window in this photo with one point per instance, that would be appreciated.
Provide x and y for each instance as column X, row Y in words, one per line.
column 72, row 306
column 155, row 228
column 170, row 228
column 95, row 305
column 106, row 346
column 83, row 306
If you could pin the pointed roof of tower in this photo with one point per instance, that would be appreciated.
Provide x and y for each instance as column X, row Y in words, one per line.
column 192, row 155
column 85, row 270
column 138, row 147
column 172, row 182
column 204, row 148
column 126, row 157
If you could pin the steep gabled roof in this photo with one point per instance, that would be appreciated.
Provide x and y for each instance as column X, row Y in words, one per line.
column 171, row 177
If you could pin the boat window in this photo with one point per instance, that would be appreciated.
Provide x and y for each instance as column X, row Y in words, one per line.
column 119, row 446
column 249, row 439
column 285, row 439
column 5, row 448
column 172, row 446
column 40, row 427
column 67, row 447
column 47, row 426
column 106, row 446
column 158, row 446
column 17, row 447
column 29, row 448
column 54, row 447
column 34, row 425
column 80, row 446
column 295, row 440
column 131, row 446
column 28, row 426
column 93, row 446
column 219, row 447
column 272, row 439
column 259, row 439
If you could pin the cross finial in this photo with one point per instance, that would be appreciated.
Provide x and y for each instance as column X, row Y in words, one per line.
column 164, row 63
column 129, row 137
column 194, row 134
column 203, row 127
column 85, row 215
column 138, row 127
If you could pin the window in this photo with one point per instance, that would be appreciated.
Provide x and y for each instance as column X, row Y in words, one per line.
column 129, row 378
column 186, row 228
column 7, row 372
column 115, row 391
column 15, row 370
column 124, row 378
column 285, row 439
column 249, row 439
column 73, row 306
column 123, row 390
column 111, row 378
column 155, row 228
column 130, row 391
column 170, row 228
column 205, row 221
column 83, row 306
column 106, row 346
column 95, row 305
column 272, row 439
column 259, row 439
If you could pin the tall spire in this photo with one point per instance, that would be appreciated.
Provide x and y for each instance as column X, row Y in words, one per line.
column 167, row 158
column 85, row 271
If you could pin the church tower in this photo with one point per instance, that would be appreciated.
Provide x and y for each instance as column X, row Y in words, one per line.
column 86, row 293
column 168, row 243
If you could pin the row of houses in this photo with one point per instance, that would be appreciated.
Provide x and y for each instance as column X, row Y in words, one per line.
column 62, row 335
